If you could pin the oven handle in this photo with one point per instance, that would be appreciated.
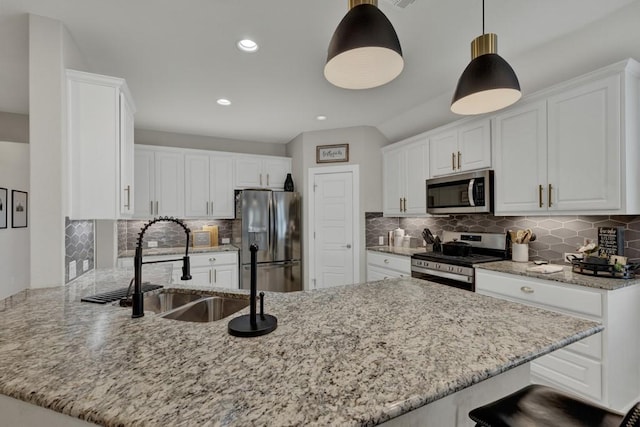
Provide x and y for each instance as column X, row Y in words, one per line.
column 472, row 202
column 446, row 275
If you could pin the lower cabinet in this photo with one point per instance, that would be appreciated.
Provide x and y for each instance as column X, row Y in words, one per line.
column 603, row 367
column 386, row 266
column 214, row 269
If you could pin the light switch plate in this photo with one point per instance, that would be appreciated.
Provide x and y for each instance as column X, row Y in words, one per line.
column 225, row 240
column 72, row 270
column 152, row 244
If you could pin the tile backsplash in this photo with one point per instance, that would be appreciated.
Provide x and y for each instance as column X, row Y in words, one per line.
column 79, row 240
column 167, row 234
column 555, row 234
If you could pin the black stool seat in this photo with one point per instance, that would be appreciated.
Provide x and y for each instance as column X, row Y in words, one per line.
column 541, row 406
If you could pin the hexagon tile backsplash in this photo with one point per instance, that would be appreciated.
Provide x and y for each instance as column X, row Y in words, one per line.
column 555, row 234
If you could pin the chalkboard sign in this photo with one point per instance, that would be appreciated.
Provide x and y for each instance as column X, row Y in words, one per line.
column 610, row 241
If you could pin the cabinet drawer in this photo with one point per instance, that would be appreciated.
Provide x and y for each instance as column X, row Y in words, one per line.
column 387, row 261
column 377, row 273
column 213, row 258
column 542, row 293
column 569, row 371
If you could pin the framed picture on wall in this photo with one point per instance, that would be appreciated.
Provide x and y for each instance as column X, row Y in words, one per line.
column 19, row 209
column 4, row 207
column 332, row 153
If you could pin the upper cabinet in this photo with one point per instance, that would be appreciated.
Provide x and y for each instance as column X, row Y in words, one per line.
column 461, row 147
column 405, row 168
column 573, row 148
column 260, row 171
column 159, row 180
column 208, row 186
column 100, row 146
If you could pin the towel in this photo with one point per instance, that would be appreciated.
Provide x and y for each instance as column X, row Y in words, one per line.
column 545, row 269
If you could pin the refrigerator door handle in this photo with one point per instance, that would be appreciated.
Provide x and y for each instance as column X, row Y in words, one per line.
column 272, row 227
column 271, row 265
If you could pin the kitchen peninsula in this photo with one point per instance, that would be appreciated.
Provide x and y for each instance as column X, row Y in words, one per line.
column 357, row 355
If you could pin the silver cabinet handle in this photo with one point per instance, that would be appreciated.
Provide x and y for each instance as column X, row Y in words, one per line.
column 156, row 207
column 207, row 203
column 540, row 196
column 215, row 276
column 128, row 190
column 210, row 276
column 261, row 180
column 550, row 188
column 151, row 207
column 526, row 289
column 453, row 161
column 459, row 157
column 404, row 204
column 211, row 208
column 267, row 180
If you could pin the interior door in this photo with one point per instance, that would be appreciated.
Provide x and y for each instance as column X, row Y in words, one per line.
column 333, row 229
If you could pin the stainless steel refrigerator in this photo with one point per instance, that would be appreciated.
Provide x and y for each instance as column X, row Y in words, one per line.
column 271, row 219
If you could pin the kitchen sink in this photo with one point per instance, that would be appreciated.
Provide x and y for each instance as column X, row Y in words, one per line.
column 207, row 309
column 166, row 301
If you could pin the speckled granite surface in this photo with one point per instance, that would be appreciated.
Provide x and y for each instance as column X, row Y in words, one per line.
column 347, row 356
column 396, row 250
column 564, row 276
column 177, row 251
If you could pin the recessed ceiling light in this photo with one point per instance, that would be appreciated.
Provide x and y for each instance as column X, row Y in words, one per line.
column 247, row 45
column 223, row 101
column 321, row 117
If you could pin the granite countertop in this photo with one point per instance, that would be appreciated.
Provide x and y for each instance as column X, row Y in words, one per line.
column 349, row 356
column 564, row 276
column 178, row 250
column 397, row 250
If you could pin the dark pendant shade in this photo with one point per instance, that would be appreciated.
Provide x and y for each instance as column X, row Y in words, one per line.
column 364, row 51
column 487, row 84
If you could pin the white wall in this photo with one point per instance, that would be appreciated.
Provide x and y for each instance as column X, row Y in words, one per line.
column 14, row 127
column 364, row 150
column 14, row 242
column 51, row 50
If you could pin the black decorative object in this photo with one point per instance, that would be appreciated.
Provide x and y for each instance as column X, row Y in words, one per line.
column 288, row 183
column 20, row 209
column 252, row 325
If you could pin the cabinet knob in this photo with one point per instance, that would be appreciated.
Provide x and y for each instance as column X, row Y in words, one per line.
column 526, row 289
column 386, row 261
column 212, row 259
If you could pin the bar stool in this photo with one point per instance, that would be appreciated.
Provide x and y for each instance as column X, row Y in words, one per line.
column 542, row 406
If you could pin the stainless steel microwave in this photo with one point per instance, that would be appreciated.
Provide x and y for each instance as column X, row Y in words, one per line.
column 463, row 193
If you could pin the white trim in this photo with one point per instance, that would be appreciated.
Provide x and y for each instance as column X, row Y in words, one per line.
column 355, row 171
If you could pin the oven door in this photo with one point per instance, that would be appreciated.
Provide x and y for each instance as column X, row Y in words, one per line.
column 444, row 278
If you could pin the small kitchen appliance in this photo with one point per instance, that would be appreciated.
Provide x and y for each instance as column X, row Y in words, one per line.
column 458, row 270
column 462, row 193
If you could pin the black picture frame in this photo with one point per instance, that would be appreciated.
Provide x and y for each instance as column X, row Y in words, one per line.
column 19, row 209
column 4, row 207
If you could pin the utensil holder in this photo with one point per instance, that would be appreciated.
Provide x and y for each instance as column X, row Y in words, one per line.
column 520, row 252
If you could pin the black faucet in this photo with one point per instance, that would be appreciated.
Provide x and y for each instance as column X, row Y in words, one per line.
column 137, row 302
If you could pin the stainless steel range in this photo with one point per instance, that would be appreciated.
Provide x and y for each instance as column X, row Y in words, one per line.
column 457, row 270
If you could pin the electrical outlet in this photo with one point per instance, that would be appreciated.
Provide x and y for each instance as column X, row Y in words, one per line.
column 72, row 270
column 567, row 254
column 225, row 240
column 85, row 265
column 152, row 244
column 380, row 240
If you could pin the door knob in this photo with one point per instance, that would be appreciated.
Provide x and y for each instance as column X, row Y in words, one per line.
column 348, row 246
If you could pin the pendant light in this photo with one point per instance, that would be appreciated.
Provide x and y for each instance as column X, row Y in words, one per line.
column 364, row 51
column 488, row 83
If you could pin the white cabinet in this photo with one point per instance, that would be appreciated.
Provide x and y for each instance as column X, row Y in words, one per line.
column 602, row 367
column 405, row 168
column 386, row 266
column 208, row 187
column 159, row 179
column 100, row 147
column 260, row 171
column 461, row 147
column 216, row 269
column 572, row 149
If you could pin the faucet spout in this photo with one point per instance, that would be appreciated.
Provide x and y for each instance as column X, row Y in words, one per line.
column 137, row 300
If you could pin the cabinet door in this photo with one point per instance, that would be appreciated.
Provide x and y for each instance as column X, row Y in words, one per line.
column 225, row 276
column 415, row 174
column 127, row 156
column 443, row 150
column 392, row 181
column 274, row 172
column 196, row 190
column 169, row 184
column 521, row 159
column 474, row 146
column 200, row 276
column 584, row 147
column 144, row 177
column 221, row 187
column 248, row 172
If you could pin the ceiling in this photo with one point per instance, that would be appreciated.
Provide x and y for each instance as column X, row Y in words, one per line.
column 179, row 56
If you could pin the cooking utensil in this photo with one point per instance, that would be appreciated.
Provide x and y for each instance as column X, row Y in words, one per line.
column 427, row 235
column 456, row 248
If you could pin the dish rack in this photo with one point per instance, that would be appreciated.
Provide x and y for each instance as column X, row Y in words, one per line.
column 604, row 270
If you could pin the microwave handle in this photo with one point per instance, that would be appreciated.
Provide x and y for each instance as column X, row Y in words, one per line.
column 472, row 201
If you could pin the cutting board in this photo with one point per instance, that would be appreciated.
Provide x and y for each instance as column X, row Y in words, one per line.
column 213, row 229
column 546, row 269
